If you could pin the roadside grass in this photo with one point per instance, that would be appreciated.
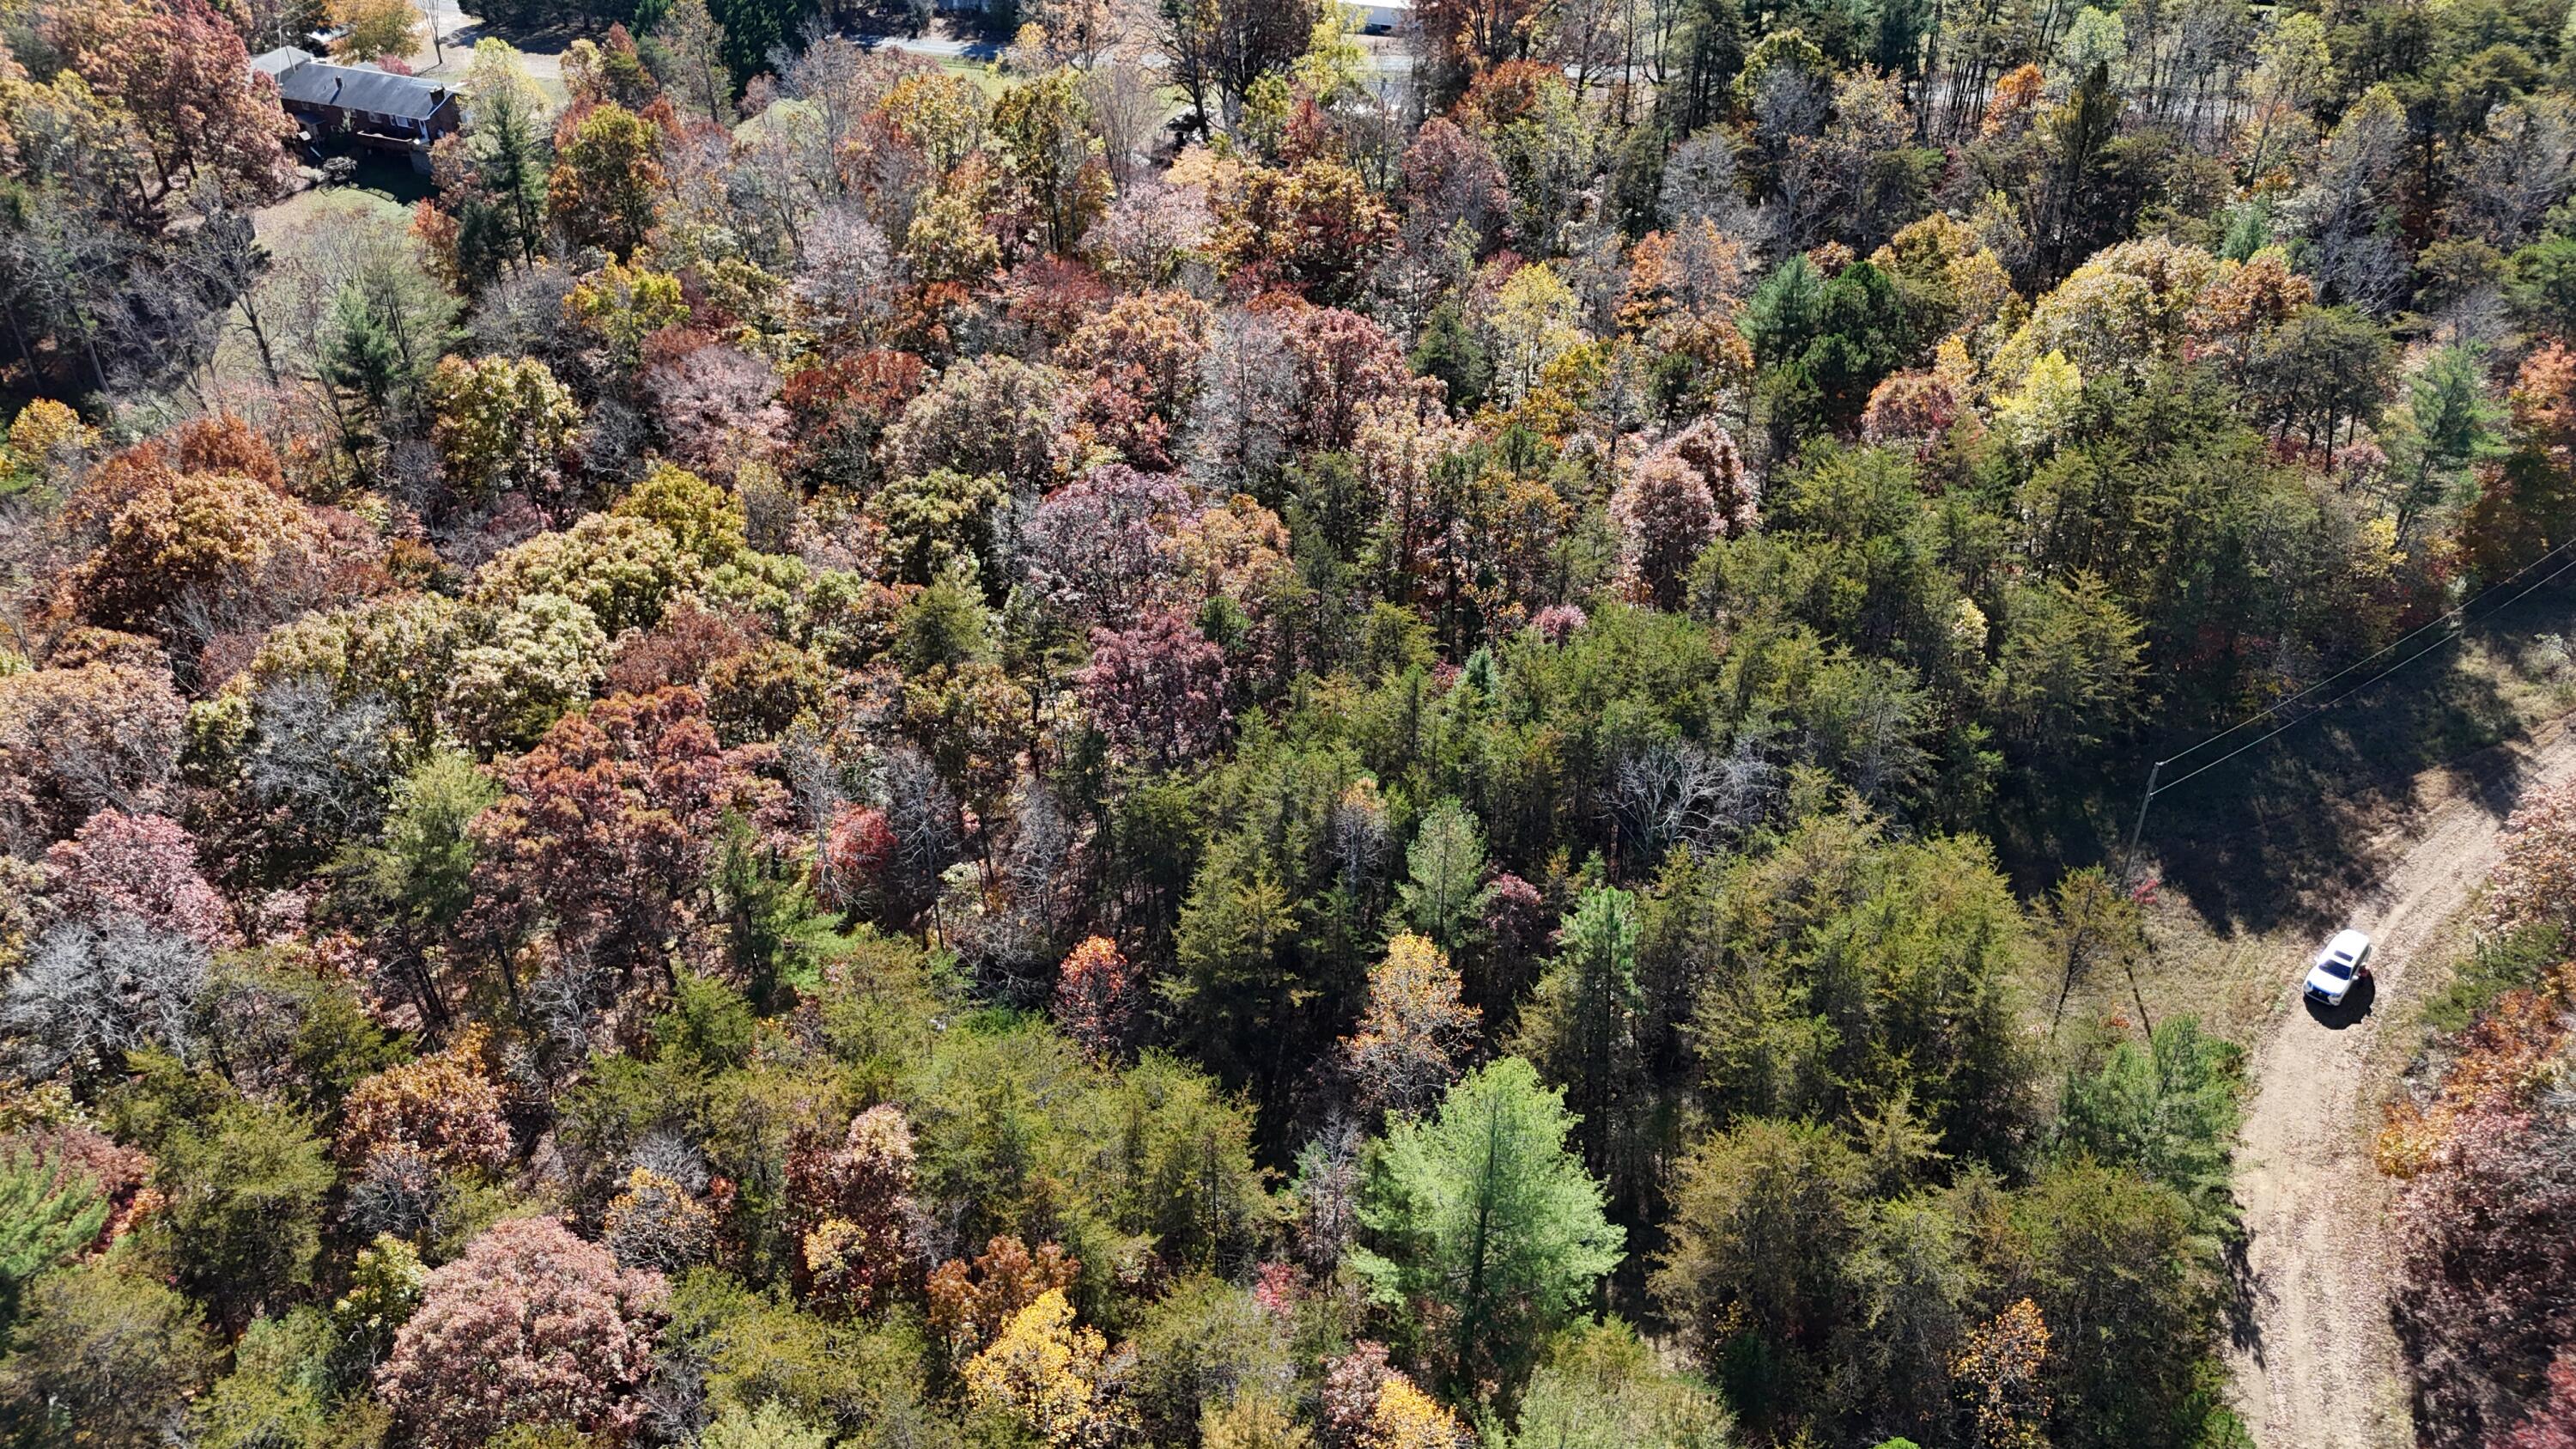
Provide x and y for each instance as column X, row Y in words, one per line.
column 987, row 77
column 2257, row 857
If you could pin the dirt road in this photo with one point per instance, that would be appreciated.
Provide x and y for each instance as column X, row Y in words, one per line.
column 2319, row 1368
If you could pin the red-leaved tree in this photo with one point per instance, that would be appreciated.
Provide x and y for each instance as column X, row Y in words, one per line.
column 531, row 1326
column 144, row 866
column 1157, row 690
column 608, row 827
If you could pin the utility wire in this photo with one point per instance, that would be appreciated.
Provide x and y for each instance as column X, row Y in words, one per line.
column 2452, row 638
column 2457, row 620
column 2446, row 618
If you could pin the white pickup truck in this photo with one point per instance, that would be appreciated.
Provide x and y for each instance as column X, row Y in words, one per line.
column 2345, row 959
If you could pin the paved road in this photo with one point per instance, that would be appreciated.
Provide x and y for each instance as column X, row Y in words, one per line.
column 1383, row 55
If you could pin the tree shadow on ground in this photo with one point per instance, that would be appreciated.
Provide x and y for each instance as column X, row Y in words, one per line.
column 535, row 37
column 2290, row 832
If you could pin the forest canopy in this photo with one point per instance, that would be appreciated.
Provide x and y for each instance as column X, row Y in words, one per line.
column 1236, row 734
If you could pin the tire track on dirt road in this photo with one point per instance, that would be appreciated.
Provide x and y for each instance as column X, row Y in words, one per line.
column 2320, row 1368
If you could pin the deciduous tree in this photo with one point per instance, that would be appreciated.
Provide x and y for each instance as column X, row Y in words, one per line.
column 531, row 1326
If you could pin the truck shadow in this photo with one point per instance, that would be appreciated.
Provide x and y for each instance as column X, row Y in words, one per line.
column 2356, row 1005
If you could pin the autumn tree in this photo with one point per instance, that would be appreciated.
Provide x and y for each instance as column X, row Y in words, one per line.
column 443, row 1109
column 1413, row 1033
column 1098, row 550
column 969, row 1303
column 76, row 739
column 1999, row 1372
column 1140, row 358
column 607, row 178
column 179, row 69
column 2534, row 880
column 985, row 416
column 1158, row 690
column 655, row 1222
column 501, row 425
column 1045, row 1375
column 531, row 1326
column 853, row 1201
column 1095, row 996
column 188, row 538
column 607, row 828
column 143, row 867
column 1344, row 365
column 375, row 29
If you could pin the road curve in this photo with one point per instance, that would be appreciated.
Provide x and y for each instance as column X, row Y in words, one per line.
column 2318, row 1366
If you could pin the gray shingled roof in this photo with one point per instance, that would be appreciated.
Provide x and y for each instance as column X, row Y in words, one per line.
column 281, row 60
column 357, row 88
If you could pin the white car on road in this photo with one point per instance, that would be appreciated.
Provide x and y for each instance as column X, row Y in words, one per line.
column 2345, row 959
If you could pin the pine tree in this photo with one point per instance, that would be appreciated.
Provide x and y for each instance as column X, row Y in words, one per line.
column 1481, row 1214
column 1582, row 1031
column 1446, row 895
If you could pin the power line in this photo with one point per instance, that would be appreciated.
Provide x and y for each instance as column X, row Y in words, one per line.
column 2441, row 620
column 2456, row 619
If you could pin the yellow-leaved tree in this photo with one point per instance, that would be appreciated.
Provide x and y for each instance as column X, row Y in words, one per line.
column 1044, row 1372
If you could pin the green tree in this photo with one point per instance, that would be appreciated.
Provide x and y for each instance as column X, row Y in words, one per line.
column 1765, row 1218
column 1450, row 351
column 2129, row 1291
column 105, row 1357
column 416, row 879
column 2449, row 425
column 282, row 1393
column 1603, row 1387
column 1232, row 995
column 509, row 146
column 1204, row 1345
column 1704, row 54
column 1843, row 970
column 1583, row 1032
column 48, row 1211
column 1446, row 892
column 245, row 1187
column 2543, row 286
column 2170, row 1112
column 2067, row 674
column 1480, row 1215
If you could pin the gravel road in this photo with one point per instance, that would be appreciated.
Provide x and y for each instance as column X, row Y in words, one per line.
column 2317, row 1367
